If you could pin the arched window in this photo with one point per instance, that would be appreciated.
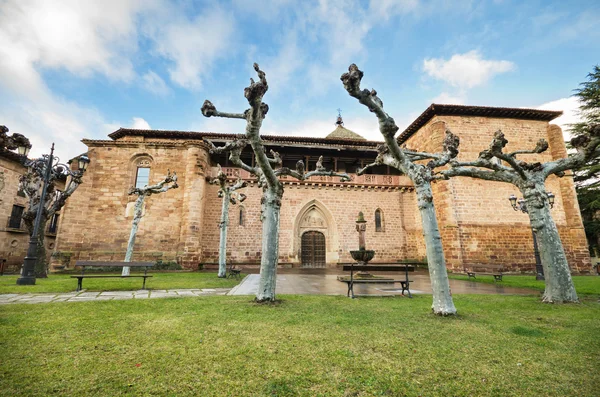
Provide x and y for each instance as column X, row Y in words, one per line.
column 378, row 220
column 142, row 177
column 141, row 171
column 242, row 216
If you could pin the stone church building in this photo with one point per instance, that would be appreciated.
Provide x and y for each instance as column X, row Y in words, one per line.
column 478, row 225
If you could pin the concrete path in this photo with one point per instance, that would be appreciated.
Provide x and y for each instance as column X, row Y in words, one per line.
column 289, row 281
column 326, row 283
column 84, row 296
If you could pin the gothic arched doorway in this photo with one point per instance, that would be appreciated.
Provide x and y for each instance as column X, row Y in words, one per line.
column 313, row 249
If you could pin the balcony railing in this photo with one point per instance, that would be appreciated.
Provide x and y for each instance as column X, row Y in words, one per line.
column 366, row 180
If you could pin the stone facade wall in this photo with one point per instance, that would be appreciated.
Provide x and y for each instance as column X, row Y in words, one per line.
column 14, row 242
column 477, row 223
column 98, row 216
column 330, row 210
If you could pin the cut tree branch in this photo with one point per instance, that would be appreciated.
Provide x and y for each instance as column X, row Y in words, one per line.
column 387, row 125
column 587, row 146
column 234, row 148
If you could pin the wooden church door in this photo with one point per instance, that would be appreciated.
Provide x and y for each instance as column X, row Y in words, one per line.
column 313, row 249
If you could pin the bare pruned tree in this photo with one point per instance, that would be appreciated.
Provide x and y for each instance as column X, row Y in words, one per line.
column 267, row 171
column 12, row 142
column 422, row 175
column 530, row 178
column 169, row 182
column 228, row 193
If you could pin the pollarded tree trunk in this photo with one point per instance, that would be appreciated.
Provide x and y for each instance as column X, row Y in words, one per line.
column 170, row 182
column 559, row 285
column 408, row 162
column 270, row 245
column 436, row 263
column 267, row 170
column 138, row 211
column 223, row 242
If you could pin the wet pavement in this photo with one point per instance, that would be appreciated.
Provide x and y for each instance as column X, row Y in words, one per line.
column 324, row 282
column 289, row 281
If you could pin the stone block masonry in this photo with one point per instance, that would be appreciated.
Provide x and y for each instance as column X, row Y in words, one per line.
column 477, row 224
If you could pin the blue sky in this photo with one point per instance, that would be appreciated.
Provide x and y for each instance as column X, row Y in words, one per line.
column 82, row 69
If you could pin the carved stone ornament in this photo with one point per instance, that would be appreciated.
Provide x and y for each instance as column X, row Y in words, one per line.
column 313, row 220
column 144, row 163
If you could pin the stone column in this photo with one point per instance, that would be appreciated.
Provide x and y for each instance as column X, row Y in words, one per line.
column 194, row 196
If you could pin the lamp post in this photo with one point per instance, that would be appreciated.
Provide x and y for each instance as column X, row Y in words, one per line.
column 45, row 167
column 519, row 205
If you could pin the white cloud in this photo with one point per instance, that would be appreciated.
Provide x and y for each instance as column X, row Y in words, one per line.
column 80, row 37
column 155, row 84
column 140, row 124
column 89, row 39
column 465, row 71
column 387, row 8
column 281, row 68
column 333, row 32
column 570, row 109
column 449, row 99
column 366, row 126
column 62, row 123
column 192, row 45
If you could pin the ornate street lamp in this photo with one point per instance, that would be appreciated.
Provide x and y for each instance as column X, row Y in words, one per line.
column 45, row 168
column 519, row 205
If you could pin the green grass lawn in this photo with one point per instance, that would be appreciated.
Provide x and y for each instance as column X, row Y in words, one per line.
column 302, row 346
column 169, row 280
column 584, row 285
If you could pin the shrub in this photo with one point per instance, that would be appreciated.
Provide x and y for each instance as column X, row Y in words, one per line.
column 169, row 265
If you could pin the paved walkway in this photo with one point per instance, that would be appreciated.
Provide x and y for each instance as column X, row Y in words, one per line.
column 324, row 282
column 289, row 281
column 84, row 296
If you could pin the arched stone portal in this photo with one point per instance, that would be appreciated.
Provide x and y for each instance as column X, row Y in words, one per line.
column 320, row 246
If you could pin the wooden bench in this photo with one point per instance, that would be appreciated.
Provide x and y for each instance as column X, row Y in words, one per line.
column 84, row 264
column 233, row 271
column 496, row 273
column 404, row 283
column 4, row 267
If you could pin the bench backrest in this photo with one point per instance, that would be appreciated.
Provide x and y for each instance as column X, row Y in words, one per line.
column 114, row 264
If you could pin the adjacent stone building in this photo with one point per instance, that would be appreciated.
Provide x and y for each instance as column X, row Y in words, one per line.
column 14, row 238
column 478, row 225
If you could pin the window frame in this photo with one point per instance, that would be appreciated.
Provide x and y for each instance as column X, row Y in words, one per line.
column 12, row 219
column 380, row 227
column 242, row 216
column 137, row 175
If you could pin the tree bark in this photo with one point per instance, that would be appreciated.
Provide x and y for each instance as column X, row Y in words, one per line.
column 223, row 242
column 559, row 284
column 442, row 297
column 270, row 245
column 137, row 217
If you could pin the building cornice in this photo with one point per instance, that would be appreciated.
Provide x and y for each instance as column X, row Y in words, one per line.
column 351, row 144
column 124, row 143
column 476, row 111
